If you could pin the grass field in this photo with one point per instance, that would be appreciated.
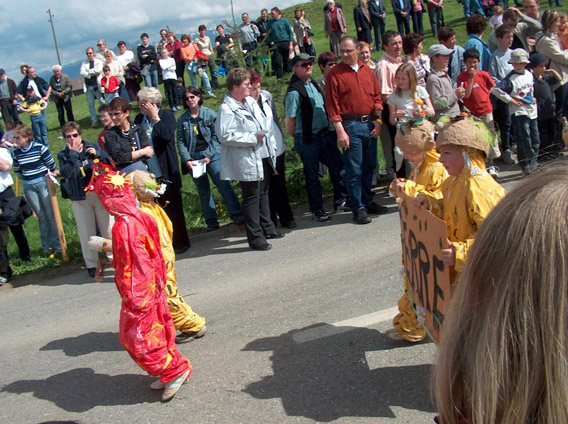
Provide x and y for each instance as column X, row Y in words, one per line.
column 453, row 14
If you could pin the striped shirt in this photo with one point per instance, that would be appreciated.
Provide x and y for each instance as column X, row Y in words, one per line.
column 33, row 161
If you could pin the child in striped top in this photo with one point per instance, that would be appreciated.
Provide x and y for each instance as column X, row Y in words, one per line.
column 32, row 160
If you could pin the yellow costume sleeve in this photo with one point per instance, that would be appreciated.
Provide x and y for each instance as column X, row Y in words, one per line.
column 483, row 194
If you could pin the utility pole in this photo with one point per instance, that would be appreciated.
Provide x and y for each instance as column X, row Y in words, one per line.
column 54, row 39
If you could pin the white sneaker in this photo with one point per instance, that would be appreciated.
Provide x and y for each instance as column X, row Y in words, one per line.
column 508, row 157
column 493, row 171
column 173, row 386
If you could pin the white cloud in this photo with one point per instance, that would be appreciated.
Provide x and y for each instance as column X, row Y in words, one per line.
column 26, row 36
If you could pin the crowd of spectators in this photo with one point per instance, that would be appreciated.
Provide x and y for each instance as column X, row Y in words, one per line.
column 516, row 83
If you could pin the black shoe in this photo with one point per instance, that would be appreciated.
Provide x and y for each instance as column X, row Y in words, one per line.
column 181, row 250
column 360, row 217
column 275, row 235
column 376, row 209
column 213, row 228
column 239, row 221
column 344, row 206
column 264, row 246
column 320, row 216
column 289, row 224
column 92, row 272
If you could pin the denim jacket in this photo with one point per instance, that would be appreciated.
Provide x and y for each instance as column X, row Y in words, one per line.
column 186, row 137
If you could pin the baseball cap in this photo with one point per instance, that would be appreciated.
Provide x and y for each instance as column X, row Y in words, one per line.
column 535, row 60
column 2, row 71
column 436, row 49
column 302, row 56
column 330, row 1
column 519, row 56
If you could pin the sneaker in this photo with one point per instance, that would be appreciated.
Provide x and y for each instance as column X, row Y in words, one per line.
column 508, row 158
column 94, row 125
column 289, row 224
column 393, row 334
column 3, row 280
column 274, row 235
column 493, row 171
column 341, row 208
column 376, row 209
column 173, row 386
column 360, row 217
column 188, row 337
column 320, row 216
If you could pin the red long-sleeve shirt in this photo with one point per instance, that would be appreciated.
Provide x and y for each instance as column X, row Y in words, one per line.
column 352, row 93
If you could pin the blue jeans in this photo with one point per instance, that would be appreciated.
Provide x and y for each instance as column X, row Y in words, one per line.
column 417, row 26
column 151, row 78
column 323, row 148
column 92, row 93
column 39, row 128
column 525, row 133
column 360, row 159
column 109, row 97
column 124, row 92
column 193, row 70
column 471, row 7
column 38, row 197
column 227, row 193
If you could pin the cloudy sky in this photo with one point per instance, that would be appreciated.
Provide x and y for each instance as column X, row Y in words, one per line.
column 25, row 36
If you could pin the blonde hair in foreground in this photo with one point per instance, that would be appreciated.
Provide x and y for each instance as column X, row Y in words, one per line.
column 504, row 360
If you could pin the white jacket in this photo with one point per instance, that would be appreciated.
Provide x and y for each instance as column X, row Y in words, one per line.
column 95, row 71
column 552, row 49
column 241, row 153
column 269, row 108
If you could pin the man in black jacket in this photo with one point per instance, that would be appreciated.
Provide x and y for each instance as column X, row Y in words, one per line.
column 378, row 13
column 75, row 162
column 307, row 122
column 8, row 100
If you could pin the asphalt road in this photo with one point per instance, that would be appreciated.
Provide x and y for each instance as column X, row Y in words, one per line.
column 295, row 334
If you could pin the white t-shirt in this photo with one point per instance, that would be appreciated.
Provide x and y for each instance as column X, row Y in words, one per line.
column 5, row 177
column 168, row 68
column 404, row 102
column 126, row 58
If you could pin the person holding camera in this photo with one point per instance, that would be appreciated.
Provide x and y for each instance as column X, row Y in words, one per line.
column 75, row 162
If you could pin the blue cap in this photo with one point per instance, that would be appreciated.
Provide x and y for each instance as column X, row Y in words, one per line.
column 537, row 59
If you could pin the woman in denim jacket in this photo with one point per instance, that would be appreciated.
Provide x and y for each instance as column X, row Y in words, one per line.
column 197, row 141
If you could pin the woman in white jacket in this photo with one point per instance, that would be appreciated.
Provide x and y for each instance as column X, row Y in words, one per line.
column 248, row 156
column 548, row 44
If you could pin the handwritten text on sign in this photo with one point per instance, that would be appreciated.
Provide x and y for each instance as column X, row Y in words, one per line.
column 423, row 237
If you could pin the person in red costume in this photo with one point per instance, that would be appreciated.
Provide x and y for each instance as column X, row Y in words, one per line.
column 146, row 328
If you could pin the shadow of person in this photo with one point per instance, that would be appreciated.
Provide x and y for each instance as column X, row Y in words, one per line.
column 327, row 378
column 82, row 389
column 86, row 343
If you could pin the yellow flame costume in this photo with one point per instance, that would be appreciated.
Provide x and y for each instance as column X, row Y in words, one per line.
column 426, row 178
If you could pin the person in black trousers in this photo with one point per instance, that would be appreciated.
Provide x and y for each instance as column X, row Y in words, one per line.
column 402, row 9
column 161, row 124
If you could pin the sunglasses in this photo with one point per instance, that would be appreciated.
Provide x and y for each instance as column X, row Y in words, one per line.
column 306, row 65
column 70, row 136
column 100, row 45
column 111, row 114
column 190, row 98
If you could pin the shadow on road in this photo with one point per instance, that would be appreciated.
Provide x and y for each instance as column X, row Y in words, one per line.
column 329, row 378
column 86, row 343
column 82, row 389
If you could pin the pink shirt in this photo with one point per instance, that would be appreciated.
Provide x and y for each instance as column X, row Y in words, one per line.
column 385, row 72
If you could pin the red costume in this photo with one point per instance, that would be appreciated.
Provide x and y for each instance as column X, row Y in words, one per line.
column 146, row 328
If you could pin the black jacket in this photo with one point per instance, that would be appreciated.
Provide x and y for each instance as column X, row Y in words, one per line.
column 376, row 10
column 164, row 141
column 120, row 146
column 75, row 168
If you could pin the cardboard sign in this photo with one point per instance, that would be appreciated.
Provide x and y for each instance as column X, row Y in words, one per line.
column 423, row 237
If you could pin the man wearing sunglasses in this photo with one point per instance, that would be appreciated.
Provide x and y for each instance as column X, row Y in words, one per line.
column 75, row 162
column 307, row 122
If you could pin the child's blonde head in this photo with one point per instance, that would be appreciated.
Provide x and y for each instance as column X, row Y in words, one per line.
column 497, row 10
column 503, row 359
column 410, row 71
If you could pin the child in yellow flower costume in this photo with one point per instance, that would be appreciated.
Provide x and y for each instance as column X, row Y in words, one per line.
column 185, row 320
column 146, row 328
column 469, row 194
column 416, row 141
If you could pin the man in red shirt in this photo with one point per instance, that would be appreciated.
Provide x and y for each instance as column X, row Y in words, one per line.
column 478, row 85
column 354, row 106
